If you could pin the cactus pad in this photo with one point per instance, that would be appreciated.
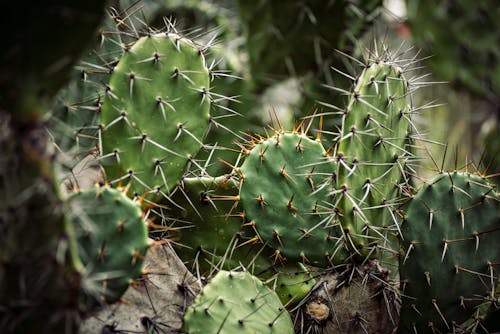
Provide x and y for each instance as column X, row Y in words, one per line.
column 449, row 264
column 155, row 113
column 237, row 302
column 112, row 236
column 210, row 226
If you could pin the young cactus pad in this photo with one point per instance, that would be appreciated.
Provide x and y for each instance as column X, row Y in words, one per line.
column 286, row 183
column 155, row 113
column 371, row 153
column 237, row 302
column 113, row 240
column 450, row 256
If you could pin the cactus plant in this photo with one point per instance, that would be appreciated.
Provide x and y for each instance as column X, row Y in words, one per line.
column 210, row 228
column 449, row 235
column 212, row 234
column 315, row 227
column 236, row 302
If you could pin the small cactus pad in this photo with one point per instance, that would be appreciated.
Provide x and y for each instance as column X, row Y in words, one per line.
column 450, row 255
column 462, row 37
column 286, row 184
column 371, row 153
column 113, row 240
column 155, row 113
column 237, row 302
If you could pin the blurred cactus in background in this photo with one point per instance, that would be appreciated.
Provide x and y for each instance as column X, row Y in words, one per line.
column 40, row 273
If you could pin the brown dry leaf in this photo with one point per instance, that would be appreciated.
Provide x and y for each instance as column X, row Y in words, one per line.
column 155, row 304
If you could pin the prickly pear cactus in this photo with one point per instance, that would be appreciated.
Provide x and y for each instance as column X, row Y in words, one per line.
column 237, row 302
column 371, row 152
column 286, row 184
column 155, row 113
column 112, row 237
column 449, row 253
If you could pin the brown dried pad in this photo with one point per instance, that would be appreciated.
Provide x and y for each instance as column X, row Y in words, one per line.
column 358, row 300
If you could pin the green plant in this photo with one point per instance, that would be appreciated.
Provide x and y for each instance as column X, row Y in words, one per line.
column 209, row 225
column 373, row 147
column 286, row 181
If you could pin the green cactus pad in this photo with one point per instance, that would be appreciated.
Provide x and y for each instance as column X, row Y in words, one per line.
column 113, row 240
column 286, row 184
column 210, row 227
column 462, row 37
column 155, row 113
column 237, row 302
column 449, row 260
column 371, row 152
